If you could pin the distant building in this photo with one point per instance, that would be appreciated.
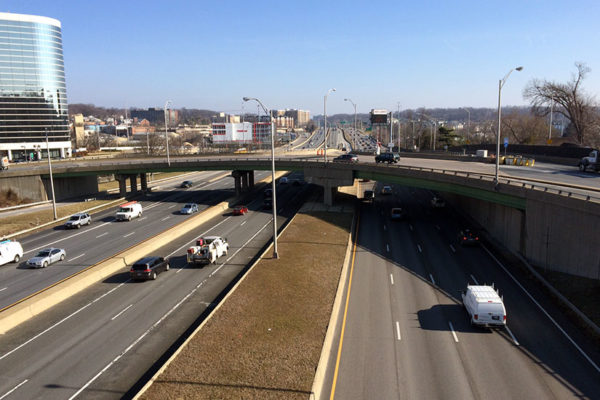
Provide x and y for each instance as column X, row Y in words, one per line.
column 157, row 116
column 300, row 117
column 78, row 126
column 33, row 94
column 242, row 133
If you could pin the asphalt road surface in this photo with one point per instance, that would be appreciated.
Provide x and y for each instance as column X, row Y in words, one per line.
column 407, row 335
column 99, row 343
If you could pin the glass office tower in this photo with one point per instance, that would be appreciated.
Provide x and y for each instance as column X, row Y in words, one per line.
column 33, row 94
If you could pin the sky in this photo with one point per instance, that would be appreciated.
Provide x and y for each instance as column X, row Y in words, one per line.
column 380, row 54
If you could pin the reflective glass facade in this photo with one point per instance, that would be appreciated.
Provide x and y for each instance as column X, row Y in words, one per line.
column 33, row 95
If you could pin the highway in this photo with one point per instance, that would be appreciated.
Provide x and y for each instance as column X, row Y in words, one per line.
column 100, row 342
column 406, row 334
column 106, row 236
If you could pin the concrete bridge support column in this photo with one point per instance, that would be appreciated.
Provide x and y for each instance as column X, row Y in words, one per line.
column 122, row 185
column 144, row 182
column 237, row 181
column 133, row 183
column 329, row 192
column 244, row 181
column 251, row 179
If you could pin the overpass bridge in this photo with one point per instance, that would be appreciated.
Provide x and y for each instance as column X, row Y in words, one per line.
column 551, row 225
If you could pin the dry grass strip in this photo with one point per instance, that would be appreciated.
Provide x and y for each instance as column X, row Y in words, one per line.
column 265, row 341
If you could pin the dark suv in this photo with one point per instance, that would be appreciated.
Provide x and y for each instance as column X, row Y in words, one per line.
column 387, row 157
column 148, row 268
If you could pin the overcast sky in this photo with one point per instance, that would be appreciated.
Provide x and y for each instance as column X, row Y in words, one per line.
column 210, row 54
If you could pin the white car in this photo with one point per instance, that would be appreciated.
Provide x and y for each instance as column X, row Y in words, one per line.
column 46, row 257
column 77, row 220
column 189, row 208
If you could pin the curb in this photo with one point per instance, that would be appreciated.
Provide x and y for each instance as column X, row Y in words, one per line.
column 209, row 316
column 319, row 380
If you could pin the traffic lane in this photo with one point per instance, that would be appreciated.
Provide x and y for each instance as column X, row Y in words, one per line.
column 121, row 303
column 548, row 348
column 111, row 237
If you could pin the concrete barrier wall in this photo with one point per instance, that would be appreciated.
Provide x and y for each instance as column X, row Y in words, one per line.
column 26, row 187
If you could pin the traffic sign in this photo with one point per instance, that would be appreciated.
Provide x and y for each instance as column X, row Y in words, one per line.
column 505, row 142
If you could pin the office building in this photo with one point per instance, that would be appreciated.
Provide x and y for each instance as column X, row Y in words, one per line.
column 157, row 116
column 33, row 95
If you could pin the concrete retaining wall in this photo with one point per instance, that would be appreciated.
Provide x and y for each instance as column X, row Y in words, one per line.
column 66, row 188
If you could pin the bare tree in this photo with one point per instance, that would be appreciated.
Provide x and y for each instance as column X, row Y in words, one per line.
column 525, row 128
column 569, row 100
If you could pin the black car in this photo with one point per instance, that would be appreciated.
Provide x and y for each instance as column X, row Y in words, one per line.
column 387, row 157
column 353, row 158
column 369, row 195
column 187, row 184
column 468, row 237
column 148, row 268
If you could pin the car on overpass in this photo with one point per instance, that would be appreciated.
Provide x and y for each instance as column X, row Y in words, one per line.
column 351, row 158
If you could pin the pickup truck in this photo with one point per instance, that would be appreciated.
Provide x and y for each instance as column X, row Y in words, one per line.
column 207, row 250
column 592, row 161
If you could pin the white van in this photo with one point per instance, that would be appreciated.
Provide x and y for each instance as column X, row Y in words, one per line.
column 484, row 306
column 129, row 210
column 10, row 251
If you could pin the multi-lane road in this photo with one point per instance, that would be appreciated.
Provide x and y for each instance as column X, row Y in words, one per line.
column 100, row 342
column 406, row 334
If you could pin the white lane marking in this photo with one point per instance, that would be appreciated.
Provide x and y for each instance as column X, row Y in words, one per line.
column 104, row 234
column 420, row 249
column 453, row 249
column 4, row 288
column 129, row 234
column 65, row 238
column 398, row 331
column 117, row 316
column 387, row 246
column 143, row 218
column 162, row 318
column 13, row 389
column 63, row 320
column 76, row 257
column 181, row 269
column 511, row 335
column 432, row 280
column 165, row 218
column 243, row 223
column 474, row 280
column 545, row 312
column 172, row 206
column 392, row 278
column 410, row 227
column 453, row 333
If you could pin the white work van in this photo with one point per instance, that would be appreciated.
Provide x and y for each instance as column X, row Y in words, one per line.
column 10, row 251
column 484, row 306
column 128, row 211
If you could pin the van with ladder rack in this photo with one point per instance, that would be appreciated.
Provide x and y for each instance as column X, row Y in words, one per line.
column 484, row 306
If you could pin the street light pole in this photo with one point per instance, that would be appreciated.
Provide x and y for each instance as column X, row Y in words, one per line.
column 501, row 83
column 355, row 131
column 166, row 132
column 550, row 130
column 273, row 184
column 468, row 123
column 51, row 178
column 325, row 122
column 399, row 129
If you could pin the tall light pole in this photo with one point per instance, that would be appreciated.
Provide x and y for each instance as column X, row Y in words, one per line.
column 355, row 131
column 273, row 184
column 468, row 122
column 325, row 122
column 501, row 83
column 550, row 130
column 167, row 104
column 433, row 129
column 51, row 178
column 399, row 129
